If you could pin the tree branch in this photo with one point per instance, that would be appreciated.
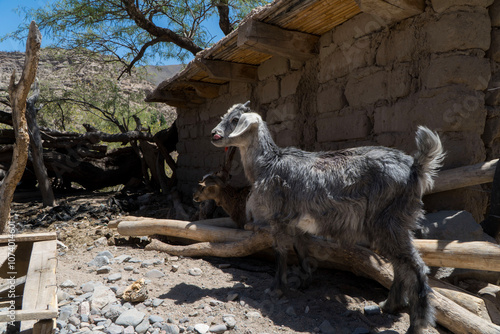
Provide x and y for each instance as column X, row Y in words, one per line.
column 224, row 22
column 105, row 115
column 128, row 67
column 166, row 34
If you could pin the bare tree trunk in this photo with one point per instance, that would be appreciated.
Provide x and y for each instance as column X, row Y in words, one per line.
column 37, row 152
column 149, row 156
column 18, row 94
column 160, row 169
column 166, row 141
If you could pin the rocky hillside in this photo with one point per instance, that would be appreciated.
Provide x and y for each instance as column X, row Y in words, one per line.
column 63, row 71
column 53, row 65
column 157, row 74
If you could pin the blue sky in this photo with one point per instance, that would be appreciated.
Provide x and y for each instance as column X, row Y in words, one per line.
column 11, row 20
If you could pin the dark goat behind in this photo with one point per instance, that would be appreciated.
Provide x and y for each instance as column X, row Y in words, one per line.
column 364, row 194
column 232, row 200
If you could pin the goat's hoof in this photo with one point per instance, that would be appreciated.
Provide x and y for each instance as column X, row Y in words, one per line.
column 305, row 283
column 275, row 293
column 415, row 330
column 388, row 307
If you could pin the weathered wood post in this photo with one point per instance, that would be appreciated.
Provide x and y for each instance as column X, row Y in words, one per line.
column 18, row 94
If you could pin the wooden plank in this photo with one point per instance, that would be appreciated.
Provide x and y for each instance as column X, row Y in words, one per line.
column 28, row 237
column 19, row 267
column 45, row 326
column 24, row 315
column 40, row 287
column 4, row 288
column 4, row 253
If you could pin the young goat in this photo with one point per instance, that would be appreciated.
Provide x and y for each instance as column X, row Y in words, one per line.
column 354, row 195
column 232, row 200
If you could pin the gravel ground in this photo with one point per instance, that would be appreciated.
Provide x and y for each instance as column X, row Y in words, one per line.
column 187, row 295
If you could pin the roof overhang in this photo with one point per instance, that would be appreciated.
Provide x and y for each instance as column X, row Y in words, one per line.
column 287, row 28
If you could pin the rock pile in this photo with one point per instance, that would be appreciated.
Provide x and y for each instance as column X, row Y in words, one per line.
column 100, row 308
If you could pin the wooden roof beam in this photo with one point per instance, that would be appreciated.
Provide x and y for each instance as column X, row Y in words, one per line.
column 392, row 11
column 175, row 98
column 270, row 39
column 203, row 89
column 223, row 70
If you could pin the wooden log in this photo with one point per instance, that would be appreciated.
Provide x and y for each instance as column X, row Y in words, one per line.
column 464, row 176
column 459, row 320
column 182, row 229
column 440, row 253
column 219, row 222
column 467, row 255
column 477, row 305
column 256, row 242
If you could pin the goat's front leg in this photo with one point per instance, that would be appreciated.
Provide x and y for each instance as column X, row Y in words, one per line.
column 300, row 247
column 281, row 241
column 279, row 287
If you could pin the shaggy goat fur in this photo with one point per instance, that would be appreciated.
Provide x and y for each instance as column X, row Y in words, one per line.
column 364, row 194
column 232, row 200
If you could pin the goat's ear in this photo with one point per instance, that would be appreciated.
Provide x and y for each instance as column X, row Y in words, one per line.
column 246, row 122
column 219, row 182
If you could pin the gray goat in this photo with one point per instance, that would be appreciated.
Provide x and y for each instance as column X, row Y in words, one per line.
column 364, row 194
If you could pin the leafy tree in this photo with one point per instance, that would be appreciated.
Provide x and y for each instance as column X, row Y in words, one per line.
column 136, row 31
column 79, row 93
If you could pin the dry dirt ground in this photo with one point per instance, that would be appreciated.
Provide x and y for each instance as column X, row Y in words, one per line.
column 238, row 284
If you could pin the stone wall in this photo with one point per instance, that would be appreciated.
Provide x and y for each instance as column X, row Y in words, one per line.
column 373, row 85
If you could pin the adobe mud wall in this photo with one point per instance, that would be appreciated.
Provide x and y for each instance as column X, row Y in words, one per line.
column 373, row 85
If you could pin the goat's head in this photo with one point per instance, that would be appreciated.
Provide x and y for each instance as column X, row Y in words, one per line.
column 234, row 126
column 209, row 188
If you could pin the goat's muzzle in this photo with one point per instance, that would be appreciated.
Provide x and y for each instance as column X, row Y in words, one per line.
column 216, row 137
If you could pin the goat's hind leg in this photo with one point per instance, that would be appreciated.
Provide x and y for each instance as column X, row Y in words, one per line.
column 410, row 287
column 397, row 300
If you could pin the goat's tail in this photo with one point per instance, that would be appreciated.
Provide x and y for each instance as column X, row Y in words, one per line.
column 429, row 157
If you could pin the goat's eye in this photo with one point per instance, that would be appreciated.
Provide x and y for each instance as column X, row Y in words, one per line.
column 234, row 121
